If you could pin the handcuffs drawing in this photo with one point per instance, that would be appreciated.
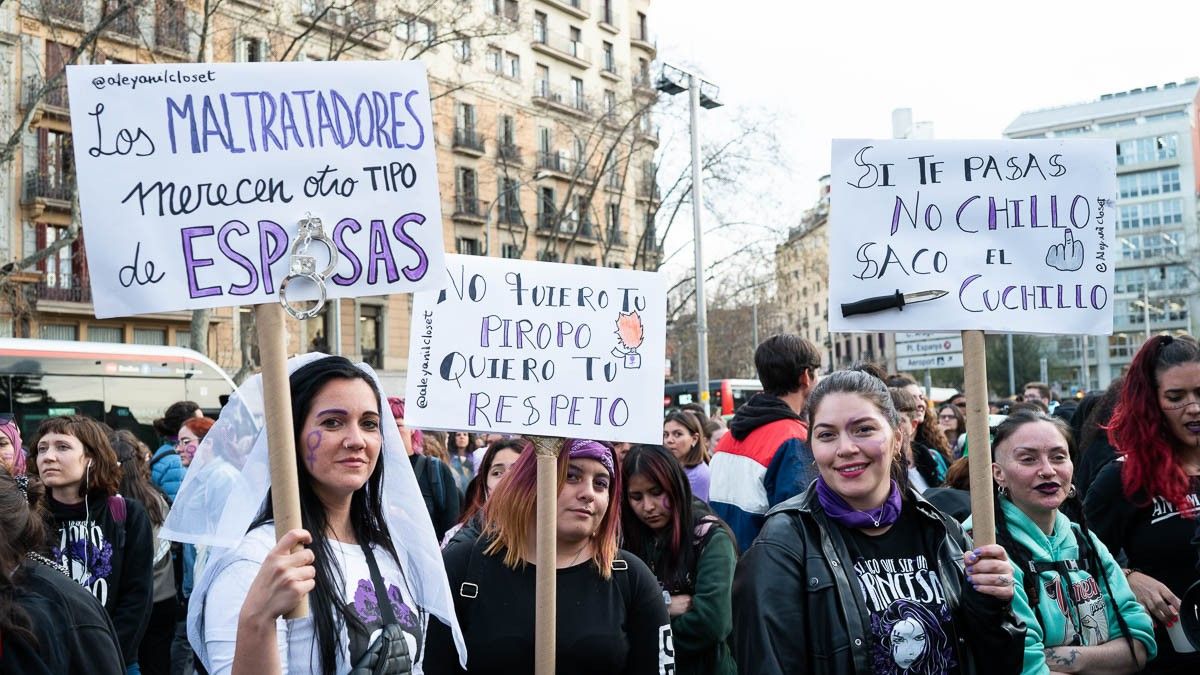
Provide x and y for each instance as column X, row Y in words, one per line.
column 301, row 264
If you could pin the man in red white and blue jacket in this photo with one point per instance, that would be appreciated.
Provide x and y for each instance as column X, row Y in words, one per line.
column 765, row 458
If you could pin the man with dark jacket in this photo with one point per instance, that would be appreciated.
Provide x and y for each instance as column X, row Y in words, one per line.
column 765, row 459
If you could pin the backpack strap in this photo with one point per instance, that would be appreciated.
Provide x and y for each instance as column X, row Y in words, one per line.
column 116, row 507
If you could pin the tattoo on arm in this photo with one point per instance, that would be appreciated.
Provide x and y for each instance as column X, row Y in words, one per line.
column 1056, row 659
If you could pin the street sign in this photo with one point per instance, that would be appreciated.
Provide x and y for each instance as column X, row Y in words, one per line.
column 919, row 337
column 930, row 362
column 949, row 345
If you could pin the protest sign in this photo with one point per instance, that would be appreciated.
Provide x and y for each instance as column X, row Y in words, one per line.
column 193, row 177
column 1021, row 235
column 539, row 348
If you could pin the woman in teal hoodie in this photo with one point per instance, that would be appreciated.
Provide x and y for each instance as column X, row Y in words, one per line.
column 1078, row 619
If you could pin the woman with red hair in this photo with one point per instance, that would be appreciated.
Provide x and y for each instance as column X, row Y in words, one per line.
column 611, row 617
column 1146, row 502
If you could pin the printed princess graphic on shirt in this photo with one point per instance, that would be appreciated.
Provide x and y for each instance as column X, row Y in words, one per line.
column 366, row 608
column 910, row 619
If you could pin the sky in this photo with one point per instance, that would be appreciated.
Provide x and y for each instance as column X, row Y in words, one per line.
column 837, row 69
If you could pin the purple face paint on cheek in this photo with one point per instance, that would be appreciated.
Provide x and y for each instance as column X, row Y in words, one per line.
column 312, row 441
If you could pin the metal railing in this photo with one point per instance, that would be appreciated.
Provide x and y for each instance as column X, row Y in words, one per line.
column 170, row 31
column 44, row 185
column 64, row 10
column 468, row 138
column 77, row 289
column 562, row 44
column 545, row 92
column 126, row 23
column 509, row 152
column 467, row 205
column 647, row 189
column 56, row 97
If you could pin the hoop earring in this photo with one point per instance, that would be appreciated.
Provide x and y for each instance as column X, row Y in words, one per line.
column 1002, row 491
column 1071, row 493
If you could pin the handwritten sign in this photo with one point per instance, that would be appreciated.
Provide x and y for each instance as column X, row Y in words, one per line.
column 1020, row 234
column 539, row 348
column 193, row 178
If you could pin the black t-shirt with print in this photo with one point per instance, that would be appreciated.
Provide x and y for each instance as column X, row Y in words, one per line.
column 911, row 626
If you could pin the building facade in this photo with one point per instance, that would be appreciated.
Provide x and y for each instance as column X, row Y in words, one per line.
column 1156, row 135
column 544, row 139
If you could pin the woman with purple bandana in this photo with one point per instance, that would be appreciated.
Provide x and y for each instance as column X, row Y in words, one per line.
column 611, row 617
column 12, row 455
column 858, row 574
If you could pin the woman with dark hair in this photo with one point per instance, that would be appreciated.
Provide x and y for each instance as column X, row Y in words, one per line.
column 1094, row 451
column 499, row 457
column 683, row 435
column 354, row 564
column 928, row 435
column 48, row 624
column 813, row 589
column 103, row 538
column 1145, row 503
column 954, row 427
column 611, row 616
column 461, row 446
column 690, row 551
column 912, row 641
column 923, row 469
column 166, row 468
column 1079, row 613
column 154, row 654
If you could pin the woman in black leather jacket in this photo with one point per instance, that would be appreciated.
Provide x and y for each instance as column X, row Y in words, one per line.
column 860, row 575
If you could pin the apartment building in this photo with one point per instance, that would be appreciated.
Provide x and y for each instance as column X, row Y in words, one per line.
column 544, row 137
column 1155, row 134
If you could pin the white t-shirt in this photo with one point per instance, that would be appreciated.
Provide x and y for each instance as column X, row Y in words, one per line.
column 296, row 639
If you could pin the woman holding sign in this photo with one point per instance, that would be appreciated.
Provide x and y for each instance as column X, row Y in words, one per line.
column 611, row 617
column 1079, row 613
column 1146, row 502
column 360, row 560
column 856, row 575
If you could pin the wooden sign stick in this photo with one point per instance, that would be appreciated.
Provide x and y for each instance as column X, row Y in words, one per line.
column 281, row 443
column 546, row 558
column 979, row 442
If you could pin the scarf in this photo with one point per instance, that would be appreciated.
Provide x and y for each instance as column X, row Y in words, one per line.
column 848, row 516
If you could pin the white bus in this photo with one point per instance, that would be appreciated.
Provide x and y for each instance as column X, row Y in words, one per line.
column 125, row 386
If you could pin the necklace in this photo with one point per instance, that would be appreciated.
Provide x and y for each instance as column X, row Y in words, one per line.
column 578, row 554
column 39, row 558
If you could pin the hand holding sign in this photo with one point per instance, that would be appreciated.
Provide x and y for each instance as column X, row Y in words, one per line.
column 1067, row 256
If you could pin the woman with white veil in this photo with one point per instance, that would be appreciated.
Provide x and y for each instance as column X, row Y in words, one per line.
column 371, row 564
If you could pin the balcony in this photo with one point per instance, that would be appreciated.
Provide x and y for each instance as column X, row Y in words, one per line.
column 55, row 98
column 551, row 222
column 576, row 105
column 573, row 7
column 68, row 11
column 468, row 141
column 561, row 47
column 508, row 153
column 355, row 19
column 642, row 84
column 511, row 215
column 64, row 289
column 125, row 24
column 170, row 31
column 507, row 10
column 611, row 68
column 616, row 237
column 647, row 190
column 563, row 166
column 467, row 207
column 640, row 38
column 51, row 190
column 608, row 19
column 648, row 134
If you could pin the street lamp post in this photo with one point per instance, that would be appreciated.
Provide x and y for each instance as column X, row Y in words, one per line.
column 670, row 83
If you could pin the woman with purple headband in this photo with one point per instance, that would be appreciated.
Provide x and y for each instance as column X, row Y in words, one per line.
column 611, row 617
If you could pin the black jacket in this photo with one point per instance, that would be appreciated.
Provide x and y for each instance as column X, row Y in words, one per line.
column 798, row 607
column 74, row 634
column 440, row 491
column 111, row 554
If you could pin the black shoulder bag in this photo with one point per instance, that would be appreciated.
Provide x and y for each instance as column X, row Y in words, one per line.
column 388, row 654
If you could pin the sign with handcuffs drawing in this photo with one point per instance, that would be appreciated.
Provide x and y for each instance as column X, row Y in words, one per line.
column 201, row 187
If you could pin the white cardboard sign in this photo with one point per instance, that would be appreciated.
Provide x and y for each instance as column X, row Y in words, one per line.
column 539, row 348
column 193, row 178
column 1021, row 234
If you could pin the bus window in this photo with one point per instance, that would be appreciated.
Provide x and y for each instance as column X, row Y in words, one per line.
column 36, row 397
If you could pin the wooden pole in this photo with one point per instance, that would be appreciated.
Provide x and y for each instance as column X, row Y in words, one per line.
column 546, row 597
column 979, row 442
column 281, row 442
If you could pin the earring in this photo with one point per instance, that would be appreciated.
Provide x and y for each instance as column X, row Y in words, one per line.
column 1071, row 492
column 1003, row 491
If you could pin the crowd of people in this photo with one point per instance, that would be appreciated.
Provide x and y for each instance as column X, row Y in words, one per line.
column 824, row 528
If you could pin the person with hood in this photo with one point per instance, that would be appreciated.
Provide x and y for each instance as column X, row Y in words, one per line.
column 166, row 468
column 765, row 459
column 102, row 538
column 12, row 455
column 1077, row 607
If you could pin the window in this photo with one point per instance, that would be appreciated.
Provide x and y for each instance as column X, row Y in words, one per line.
column 643, row 30
column 56, row 165
column 577, row 49
column 58, row 331
column 610, row 61
column 510, row 251
column 540, row 27
column 462, row 50
column 1150, row 246
column 466, row 183
column 583, row 260
column 643, row 72
column 1151, row 214
column 1143, row 183
column 508, row 130
column 508, row 201
column 465, row 117
column 114, row 334
column 544, row 140
column 546, row 207
column 1159, row 117
column 607, row 13
column 1160, row 278
column 150, row 336
column 495, row 60
column 505, row 8
column 610, row 102
column 417, row 30
column 612, row 223
column 183, row 339
column 512, row 65
column 1147, row 149
column 320, row 330
column 251, row 50
column 543, row 80
column 577, row 90
column 468, row 246
column 1115, row 124
column 370, row 334
column 548, row 256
